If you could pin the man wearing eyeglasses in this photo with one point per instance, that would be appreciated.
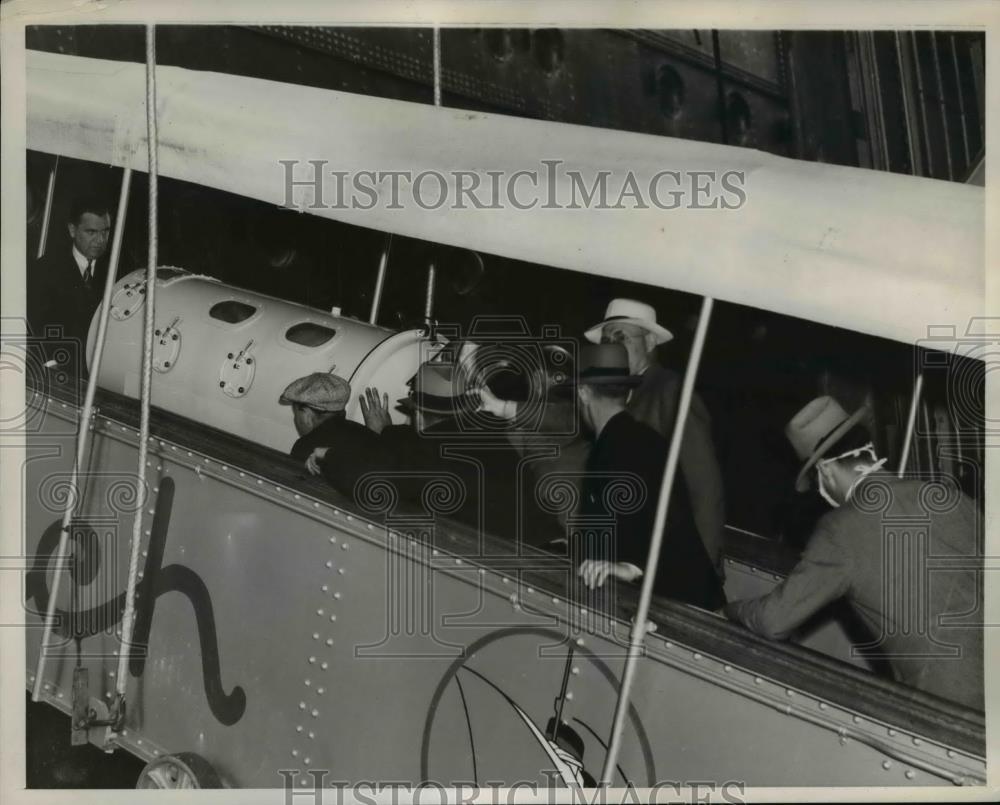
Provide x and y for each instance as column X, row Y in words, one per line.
column 654, row 403
column 904, row 552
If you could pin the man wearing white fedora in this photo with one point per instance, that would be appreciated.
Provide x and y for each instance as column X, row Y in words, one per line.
column 654, row 402
column 904, row 552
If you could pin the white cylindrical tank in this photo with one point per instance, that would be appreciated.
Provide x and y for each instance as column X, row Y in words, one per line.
column 223, row 355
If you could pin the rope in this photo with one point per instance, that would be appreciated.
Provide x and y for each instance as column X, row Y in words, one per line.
column 128, row 619
column 437, row 66
column 649, row 575
column 84, row 430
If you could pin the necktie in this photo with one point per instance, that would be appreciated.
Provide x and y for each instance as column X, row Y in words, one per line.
column 88, row 274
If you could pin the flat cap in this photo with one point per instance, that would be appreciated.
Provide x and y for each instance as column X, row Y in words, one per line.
column 320, row 390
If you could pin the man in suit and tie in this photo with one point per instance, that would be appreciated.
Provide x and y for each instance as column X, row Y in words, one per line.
column 65, row 286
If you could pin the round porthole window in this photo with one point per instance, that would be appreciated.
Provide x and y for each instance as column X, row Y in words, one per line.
column 738, row 118
column 670, row 89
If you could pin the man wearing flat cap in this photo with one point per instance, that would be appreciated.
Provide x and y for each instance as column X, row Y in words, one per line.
column 904, row 552
column 622, row 482
column 654, row 402
column 318, row 404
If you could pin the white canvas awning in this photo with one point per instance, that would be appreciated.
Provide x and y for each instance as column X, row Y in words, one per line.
column 874, row 252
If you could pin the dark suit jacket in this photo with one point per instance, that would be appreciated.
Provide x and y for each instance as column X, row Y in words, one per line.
column 437, row 472
column 57, row 297
column 627, row 447
column 654, row 402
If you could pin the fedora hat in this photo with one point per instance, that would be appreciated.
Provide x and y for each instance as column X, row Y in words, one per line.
column 630, row 311
column 440, row 389
column 815, row 429
column 601, row 365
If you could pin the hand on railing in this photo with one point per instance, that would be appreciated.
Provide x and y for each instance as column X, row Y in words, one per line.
column 313, row 462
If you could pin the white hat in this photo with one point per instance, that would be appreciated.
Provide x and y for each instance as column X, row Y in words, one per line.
column 630, row 311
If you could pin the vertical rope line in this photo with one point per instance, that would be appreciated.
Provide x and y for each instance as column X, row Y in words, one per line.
column 50, row 190
column 911, row 422
column 437, row 66
column 84, row 429
column 649, row 575
column 128, row 619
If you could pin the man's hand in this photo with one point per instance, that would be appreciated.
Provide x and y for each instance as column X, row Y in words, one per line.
column 375, row 410
column 595, row 571
column 491, row 404
column 313, row 462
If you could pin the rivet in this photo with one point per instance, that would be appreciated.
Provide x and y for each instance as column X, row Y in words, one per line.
column 295, row 753
column 150, row 511
column 579, row 641
column 569, row 696
column 757, row 680
column 505, row 580
column 843, row 741
column 951, row 753
column 892, row 732
column 321, row 691
column 530, row 590
column 575, row 670
column 340, row 571
column 139, row 742
column 482, row 571
column 909, row 775
column 325, row 588
column 458, row 561
column 333, row 540
column 555, row 600
column 260, row 482
column 315, row 713
column 277, row 489
column 349, row 518
column 917, row 742
column 319, row 611
column 312, row 734
column 329, row 641
column 59, row 695
column 329, row 563
column 298, row 497
column 727, row 668
column 315, row 505
column 345, row 547
column 111, row 674
column 107, row 695
column 315, row 635
column 225, row 467
column 371, row 527
column 697, row 656
column 857, row 719
column 886, row 764
column 822, row 705
column 302, row 705
column 337, row 596
column 312, row 659
column 583, row 610
column 434, row 552
column 308, row 683
column 667, row 644
column 789, row 692
column 324, row 666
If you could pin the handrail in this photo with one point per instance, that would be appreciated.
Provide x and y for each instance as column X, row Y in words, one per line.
column 815, row 674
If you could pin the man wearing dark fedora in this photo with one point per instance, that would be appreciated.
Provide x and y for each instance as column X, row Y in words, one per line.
column 446, row 440
column 653, row 402
column 622, row 481
column 904, row 552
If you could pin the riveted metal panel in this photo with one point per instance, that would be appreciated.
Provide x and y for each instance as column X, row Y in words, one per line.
column 287, row 632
